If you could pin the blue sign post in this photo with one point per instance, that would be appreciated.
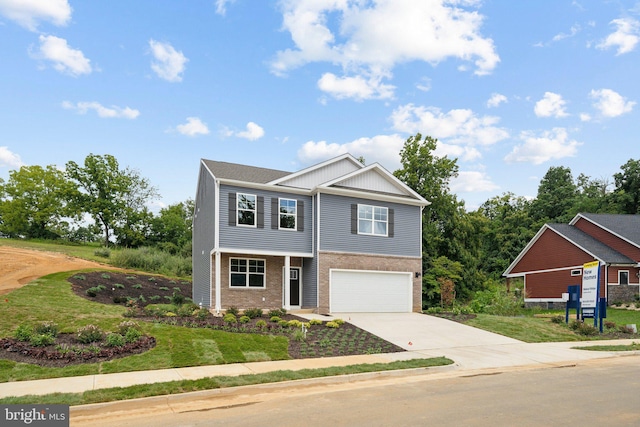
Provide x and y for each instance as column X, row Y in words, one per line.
column 573, row 302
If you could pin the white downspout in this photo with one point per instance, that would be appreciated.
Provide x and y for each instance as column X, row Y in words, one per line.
column 216, row 227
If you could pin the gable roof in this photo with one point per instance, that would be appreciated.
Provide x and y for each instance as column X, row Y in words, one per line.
column 590, row 244
column 375, row 179
column 322, row 172
column 238, row 172
column 581, row 240
column 626, row 227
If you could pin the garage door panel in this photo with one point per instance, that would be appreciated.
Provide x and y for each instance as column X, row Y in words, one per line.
column 370, row 291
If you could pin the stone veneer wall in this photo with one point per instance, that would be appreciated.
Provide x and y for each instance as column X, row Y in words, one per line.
column 329, row 260
column 267, row 298
column 623, row 293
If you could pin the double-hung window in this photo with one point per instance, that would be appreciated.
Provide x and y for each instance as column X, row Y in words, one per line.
column 246, row 209
column 288, row 211
column 623, row 277
column 247, row 273
column 373, row 220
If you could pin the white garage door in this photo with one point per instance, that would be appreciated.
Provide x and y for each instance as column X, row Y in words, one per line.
column 355, row 291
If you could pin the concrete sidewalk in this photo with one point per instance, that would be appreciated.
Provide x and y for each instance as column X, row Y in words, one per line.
column 467, row 357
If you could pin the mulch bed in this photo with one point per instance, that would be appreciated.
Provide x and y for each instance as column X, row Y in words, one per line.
column 122, row 288
column 67, row 351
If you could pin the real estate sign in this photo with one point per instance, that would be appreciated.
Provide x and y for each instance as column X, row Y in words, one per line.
column 590, row 284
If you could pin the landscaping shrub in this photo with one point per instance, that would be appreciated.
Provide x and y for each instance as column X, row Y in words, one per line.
column 41, row 340
column 275, row 319
column 125, row 325
column 93, row 291
column 333, row 325
column 261, row 324
column 253, row 313
column 279, row 312
column 23, row 333
column 118, row 286
column 47, row 328
column 557, row 319
column 294, row 323
column 177, row 298
column 244, row 319
column 315, row 322
column 202, row 314
column 230, row 318
column 495, row 300
column 233, row 310
column 586, row 329
column 114, row 340
column 90, row 333
column 132, row 335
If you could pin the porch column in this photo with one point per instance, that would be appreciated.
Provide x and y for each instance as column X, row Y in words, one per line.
column 217, row 282
column 287, row 282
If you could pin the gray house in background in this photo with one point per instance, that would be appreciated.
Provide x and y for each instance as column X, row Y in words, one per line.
column 335, row 237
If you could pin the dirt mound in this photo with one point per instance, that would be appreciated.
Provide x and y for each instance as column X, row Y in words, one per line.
column 20, row 266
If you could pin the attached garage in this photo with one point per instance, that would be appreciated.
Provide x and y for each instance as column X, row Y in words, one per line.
column 357, row 291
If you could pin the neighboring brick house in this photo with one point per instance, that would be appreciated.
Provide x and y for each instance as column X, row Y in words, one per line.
column 335, row 237
column 553, row 259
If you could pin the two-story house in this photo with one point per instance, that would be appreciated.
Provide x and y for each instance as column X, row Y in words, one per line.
column 338, row 236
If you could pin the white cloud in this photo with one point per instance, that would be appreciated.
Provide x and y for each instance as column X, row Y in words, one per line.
column 356, row 87
column 370, row 38
column 221, row 6
column 104, row 112
column 65, row 59
column 193, row 127
column 425, row 84
column 472, row 182
column 625, row 38
column 169, row 63
column 551, row 105
column 383, row 149
column 496, row 99
column 460, row 127
column 554, row 144
column 561, row 36
column 611, row 103
column 252, row 132
column 28, row 13
column 10, row 159
column 585, row 117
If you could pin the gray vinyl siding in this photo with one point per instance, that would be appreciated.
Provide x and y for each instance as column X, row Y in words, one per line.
column 203, row 238
column 266, row 238
column 335, row 228
column 309, row 282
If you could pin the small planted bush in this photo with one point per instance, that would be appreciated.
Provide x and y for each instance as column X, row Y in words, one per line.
column 261, row 324
column 177, row 298
column 125, row 325
column 230, row 318
column 315, row 322
column 233, row 310
column 23, row 333
column 114, row 340
column 253, row 313
column 118, row 286
column 89, row 334
column 132, row 335
column 41, row 340
column 275, row 319
column 93, row 291
column 557, row 319
column 294, row 323
column 137, row 286
column 106, row 276
column 280, row 312
column 332, row 325
column 47, row 328
column 244, row 319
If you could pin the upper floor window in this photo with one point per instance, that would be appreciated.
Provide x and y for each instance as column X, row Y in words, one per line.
column 373, row 220
column 288, row 212
column 246, row 209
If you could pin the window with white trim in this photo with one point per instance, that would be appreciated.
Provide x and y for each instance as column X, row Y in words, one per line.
column 373, row 220
column 246, row 273
column 246, row 209
column 623, row 277
column 288, row 209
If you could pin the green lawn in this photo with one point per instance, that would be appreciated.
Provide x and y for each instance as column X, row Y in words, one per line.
column 51, row 299
column 534, row 329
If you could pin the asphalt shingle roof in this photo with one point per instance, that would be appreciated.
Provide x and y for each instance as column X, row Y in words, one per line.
column 590, row 244
column 244, row 173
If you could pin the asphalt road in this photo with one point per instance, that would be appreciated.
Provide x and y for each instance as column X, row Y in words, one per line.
column 603, row 392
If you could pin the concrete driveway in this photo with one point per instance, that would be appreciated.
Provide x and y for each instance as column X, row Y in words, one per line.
column 414, row 331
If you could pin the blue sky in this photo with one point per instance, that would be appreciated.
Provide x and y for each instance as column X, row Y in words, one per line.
column 510, row 88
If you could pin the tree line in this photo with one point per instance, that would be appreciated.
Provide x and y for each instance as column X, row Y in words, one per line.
column 470, row 249
column 48, row 203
